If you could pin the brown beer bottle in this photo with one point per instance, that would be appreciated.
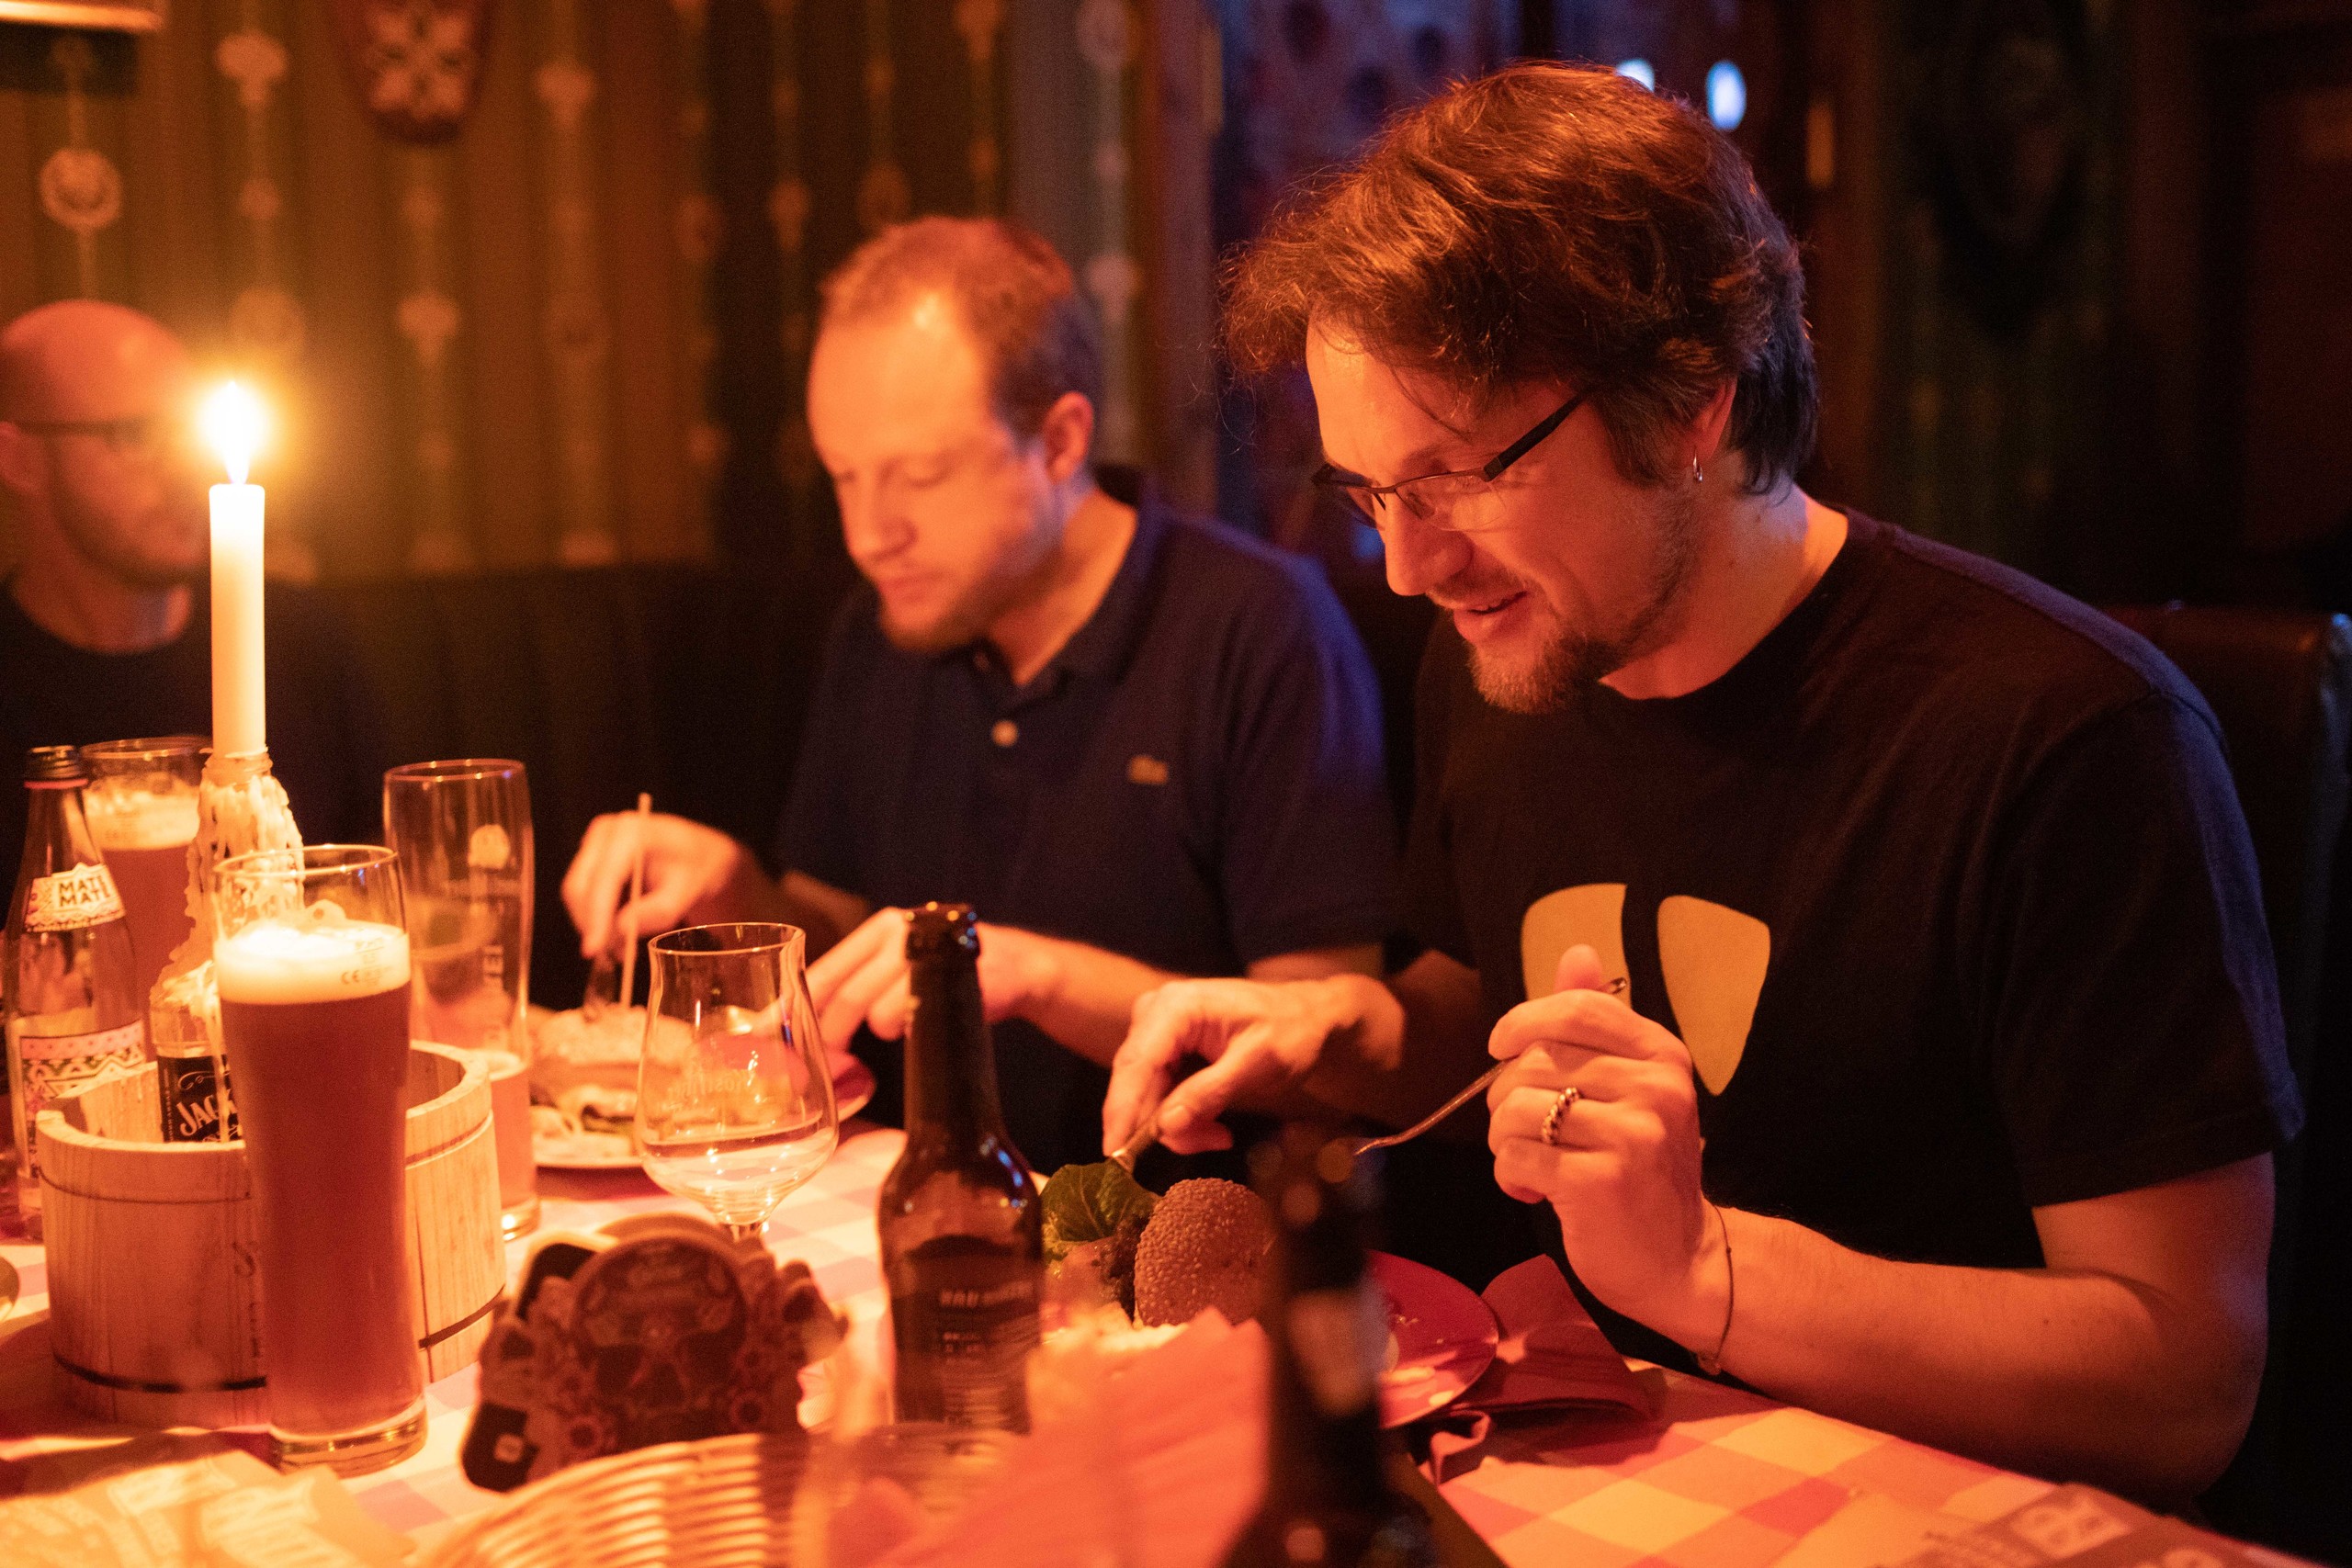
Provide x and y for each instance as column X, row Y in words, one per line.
column 963, row 1245
column 73, row 1008
column 1328, row 1500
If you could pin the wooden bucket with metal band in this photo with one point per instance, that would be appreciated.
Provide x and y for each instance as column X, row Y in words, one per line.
column 154, row 1308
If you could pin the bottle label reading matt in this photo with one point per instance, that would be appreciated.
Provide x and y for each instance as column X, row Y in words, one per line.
column 964, row 1331
column 57, row 1065
column 84, row 896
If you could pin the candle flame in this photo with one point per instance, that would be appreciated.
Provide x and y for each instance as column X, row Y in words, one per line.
column 233, row 422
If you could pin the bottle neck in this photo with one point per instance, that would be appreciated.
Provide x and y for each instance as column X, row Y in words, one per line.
column 57, row 831
column 951, row 1065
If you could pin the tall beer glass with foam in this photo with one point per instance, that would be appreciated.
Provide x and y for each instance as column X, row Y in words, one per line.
column 141, row 805
column 312, row 963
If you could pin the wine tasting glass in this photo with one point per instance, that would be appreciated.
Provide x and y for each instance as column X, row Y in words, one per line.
column 734, row 1098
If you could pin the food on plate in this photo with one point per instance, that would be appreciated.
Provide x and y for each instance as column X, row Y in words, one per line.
column 1205, row 1245
column 588, row 1124
column 573, row 1051
column 1094, row 1216
column 592, row 1108
column 1161, row 1260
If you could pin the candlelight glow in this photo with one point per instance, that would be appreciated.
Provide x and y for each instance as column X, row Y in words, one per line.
column 234, row 423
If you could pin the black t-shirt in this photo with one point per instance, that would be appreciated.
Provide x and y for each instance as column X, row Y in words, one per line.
column 1193, row 781
column 321, row 716
column 1945, row 886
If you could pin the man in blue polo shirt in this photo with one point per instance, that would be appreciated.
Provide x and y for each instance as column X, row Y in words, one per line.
column 1142, row 746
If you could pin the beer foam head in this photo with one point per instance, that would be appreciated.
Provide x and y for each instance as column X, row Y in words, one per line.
column 312, row 957
column 141, row 820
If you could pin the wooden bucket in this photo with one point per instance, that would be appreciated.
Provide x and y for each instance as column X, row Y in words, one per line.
column 154, row 1310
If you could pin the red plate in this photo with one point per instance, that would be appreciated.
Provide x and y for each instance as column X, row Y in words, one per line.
column 1445, row 1338
column 853, row 1089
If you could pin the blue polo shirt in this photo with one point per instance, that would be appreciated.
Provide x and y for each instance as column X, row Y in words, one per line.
column 1193, row 781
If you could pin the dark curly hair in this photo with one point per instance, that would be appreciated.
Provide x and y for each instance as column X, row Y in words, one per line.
column 1551, row 222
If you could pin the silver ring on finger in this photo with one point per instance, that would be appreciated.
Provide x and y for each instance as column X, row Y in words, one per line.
column 1560, row 1104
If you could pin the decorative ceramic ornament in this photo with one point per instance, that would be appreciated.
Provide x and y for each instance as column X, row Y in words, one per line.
column 416, row 64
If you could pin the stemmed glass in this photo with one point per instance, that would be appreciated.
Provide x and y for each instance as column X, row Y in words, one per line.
column 734, row 1098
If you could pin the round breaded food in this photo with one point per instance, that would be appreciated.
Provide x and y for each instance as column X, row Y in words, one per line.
column 1205, row 1245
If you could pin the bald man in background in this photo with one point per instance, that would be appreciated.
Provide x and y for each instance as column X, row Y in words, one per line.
column 105, row 628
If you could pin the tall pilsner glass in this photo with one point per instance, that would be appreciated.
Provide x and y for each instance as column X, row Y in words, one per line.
column 312, row 963
column 734, row 1096
column 462, row 830
column 141, row 805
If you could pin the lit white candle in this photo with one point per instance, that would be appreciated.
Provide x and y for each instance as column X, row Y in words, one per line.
column 233, row 423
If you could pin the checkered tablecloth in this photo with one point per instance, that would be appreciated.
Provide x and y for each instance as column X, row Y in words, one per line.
column 1725, row 1480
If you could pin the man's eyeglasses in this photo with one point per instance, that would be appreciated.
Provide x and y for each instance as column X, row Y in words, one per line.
column 141, row 436
column 1439, row 499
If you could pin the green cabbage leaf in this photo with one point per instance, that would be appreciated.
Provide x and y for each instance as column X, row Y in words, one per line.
column 1088, row 1202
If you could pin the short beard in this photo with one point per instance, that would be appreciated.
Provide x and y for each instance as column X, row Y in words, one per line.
column 959, row 628
column 969, row 620
column 1573, row 662
column 133, row 570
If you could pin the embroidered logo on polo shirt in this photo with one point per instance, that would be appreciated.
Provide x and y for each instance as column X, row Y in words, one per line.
column 1713, row 959
column 1146, row 768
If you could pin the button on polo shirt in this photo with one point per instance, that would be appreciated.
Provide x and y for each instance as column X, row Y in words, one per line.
column 1195, row 781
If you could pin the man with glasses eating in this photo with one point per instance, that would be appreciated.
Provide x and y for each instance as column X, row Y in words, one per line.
column 104, row 634
column 1943, row 1086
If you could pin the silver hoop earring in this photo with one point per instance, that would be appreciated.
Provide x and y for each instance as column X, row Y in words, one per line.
column 1697, row 476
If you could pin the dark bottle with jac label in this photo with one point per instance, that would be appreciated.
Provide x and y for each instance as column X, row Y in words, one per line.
column 1328, row 1499
column 73, row 1009
column 963, row 1247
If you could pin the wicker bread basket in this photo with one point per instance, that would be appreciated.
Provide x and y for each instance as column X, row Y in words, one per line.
column 748, row 1499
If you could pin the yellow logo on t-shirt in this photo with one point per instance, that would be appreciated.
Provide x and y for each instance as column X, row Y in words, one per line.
column 1713, row 959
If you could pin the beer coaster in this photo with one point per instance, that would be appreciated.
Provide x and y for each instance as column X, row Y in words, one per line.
column 661, row 1330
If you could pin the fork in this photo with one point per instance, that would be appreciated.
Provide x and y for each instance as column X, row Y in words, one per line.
column 603, row 986
column 1147, row 1133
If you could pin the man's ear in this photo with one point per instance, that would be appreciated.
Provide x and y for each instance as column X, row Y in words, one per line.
column 24, row 459
column 1066, row 433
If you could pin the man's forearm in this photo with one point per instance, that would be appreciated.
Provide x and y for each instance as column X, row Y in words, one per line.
column 1397, row 1049
column 751, row 897
column 2065, row 1374
column 1083, row 996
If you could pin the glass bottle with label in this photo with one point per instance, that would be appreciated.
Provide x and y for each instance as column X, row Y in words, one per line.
column 1328, row 1499
column 73, row 1008
column 963, row 1245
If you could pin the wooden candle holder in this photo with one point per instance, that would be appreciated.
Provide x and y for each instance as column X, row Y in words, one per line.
column 153, row 1301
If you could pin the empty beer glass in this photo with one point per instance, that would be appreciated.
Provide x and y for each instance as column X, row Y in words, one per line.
column 312, row 962
column 462, row 830
column 734, row 1095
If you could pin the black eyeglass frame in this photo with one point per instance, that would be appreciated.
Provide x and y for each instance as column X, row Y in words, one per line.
column 1357, row 490
column 134, row 433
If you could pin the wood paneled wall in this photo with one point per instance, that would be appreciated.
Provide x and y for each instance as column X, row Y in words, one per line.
column 578, row 331
column 472, row 350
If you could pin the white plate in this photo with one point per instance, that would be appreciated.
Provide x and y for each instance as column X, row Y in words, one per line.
column 853, row 1091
